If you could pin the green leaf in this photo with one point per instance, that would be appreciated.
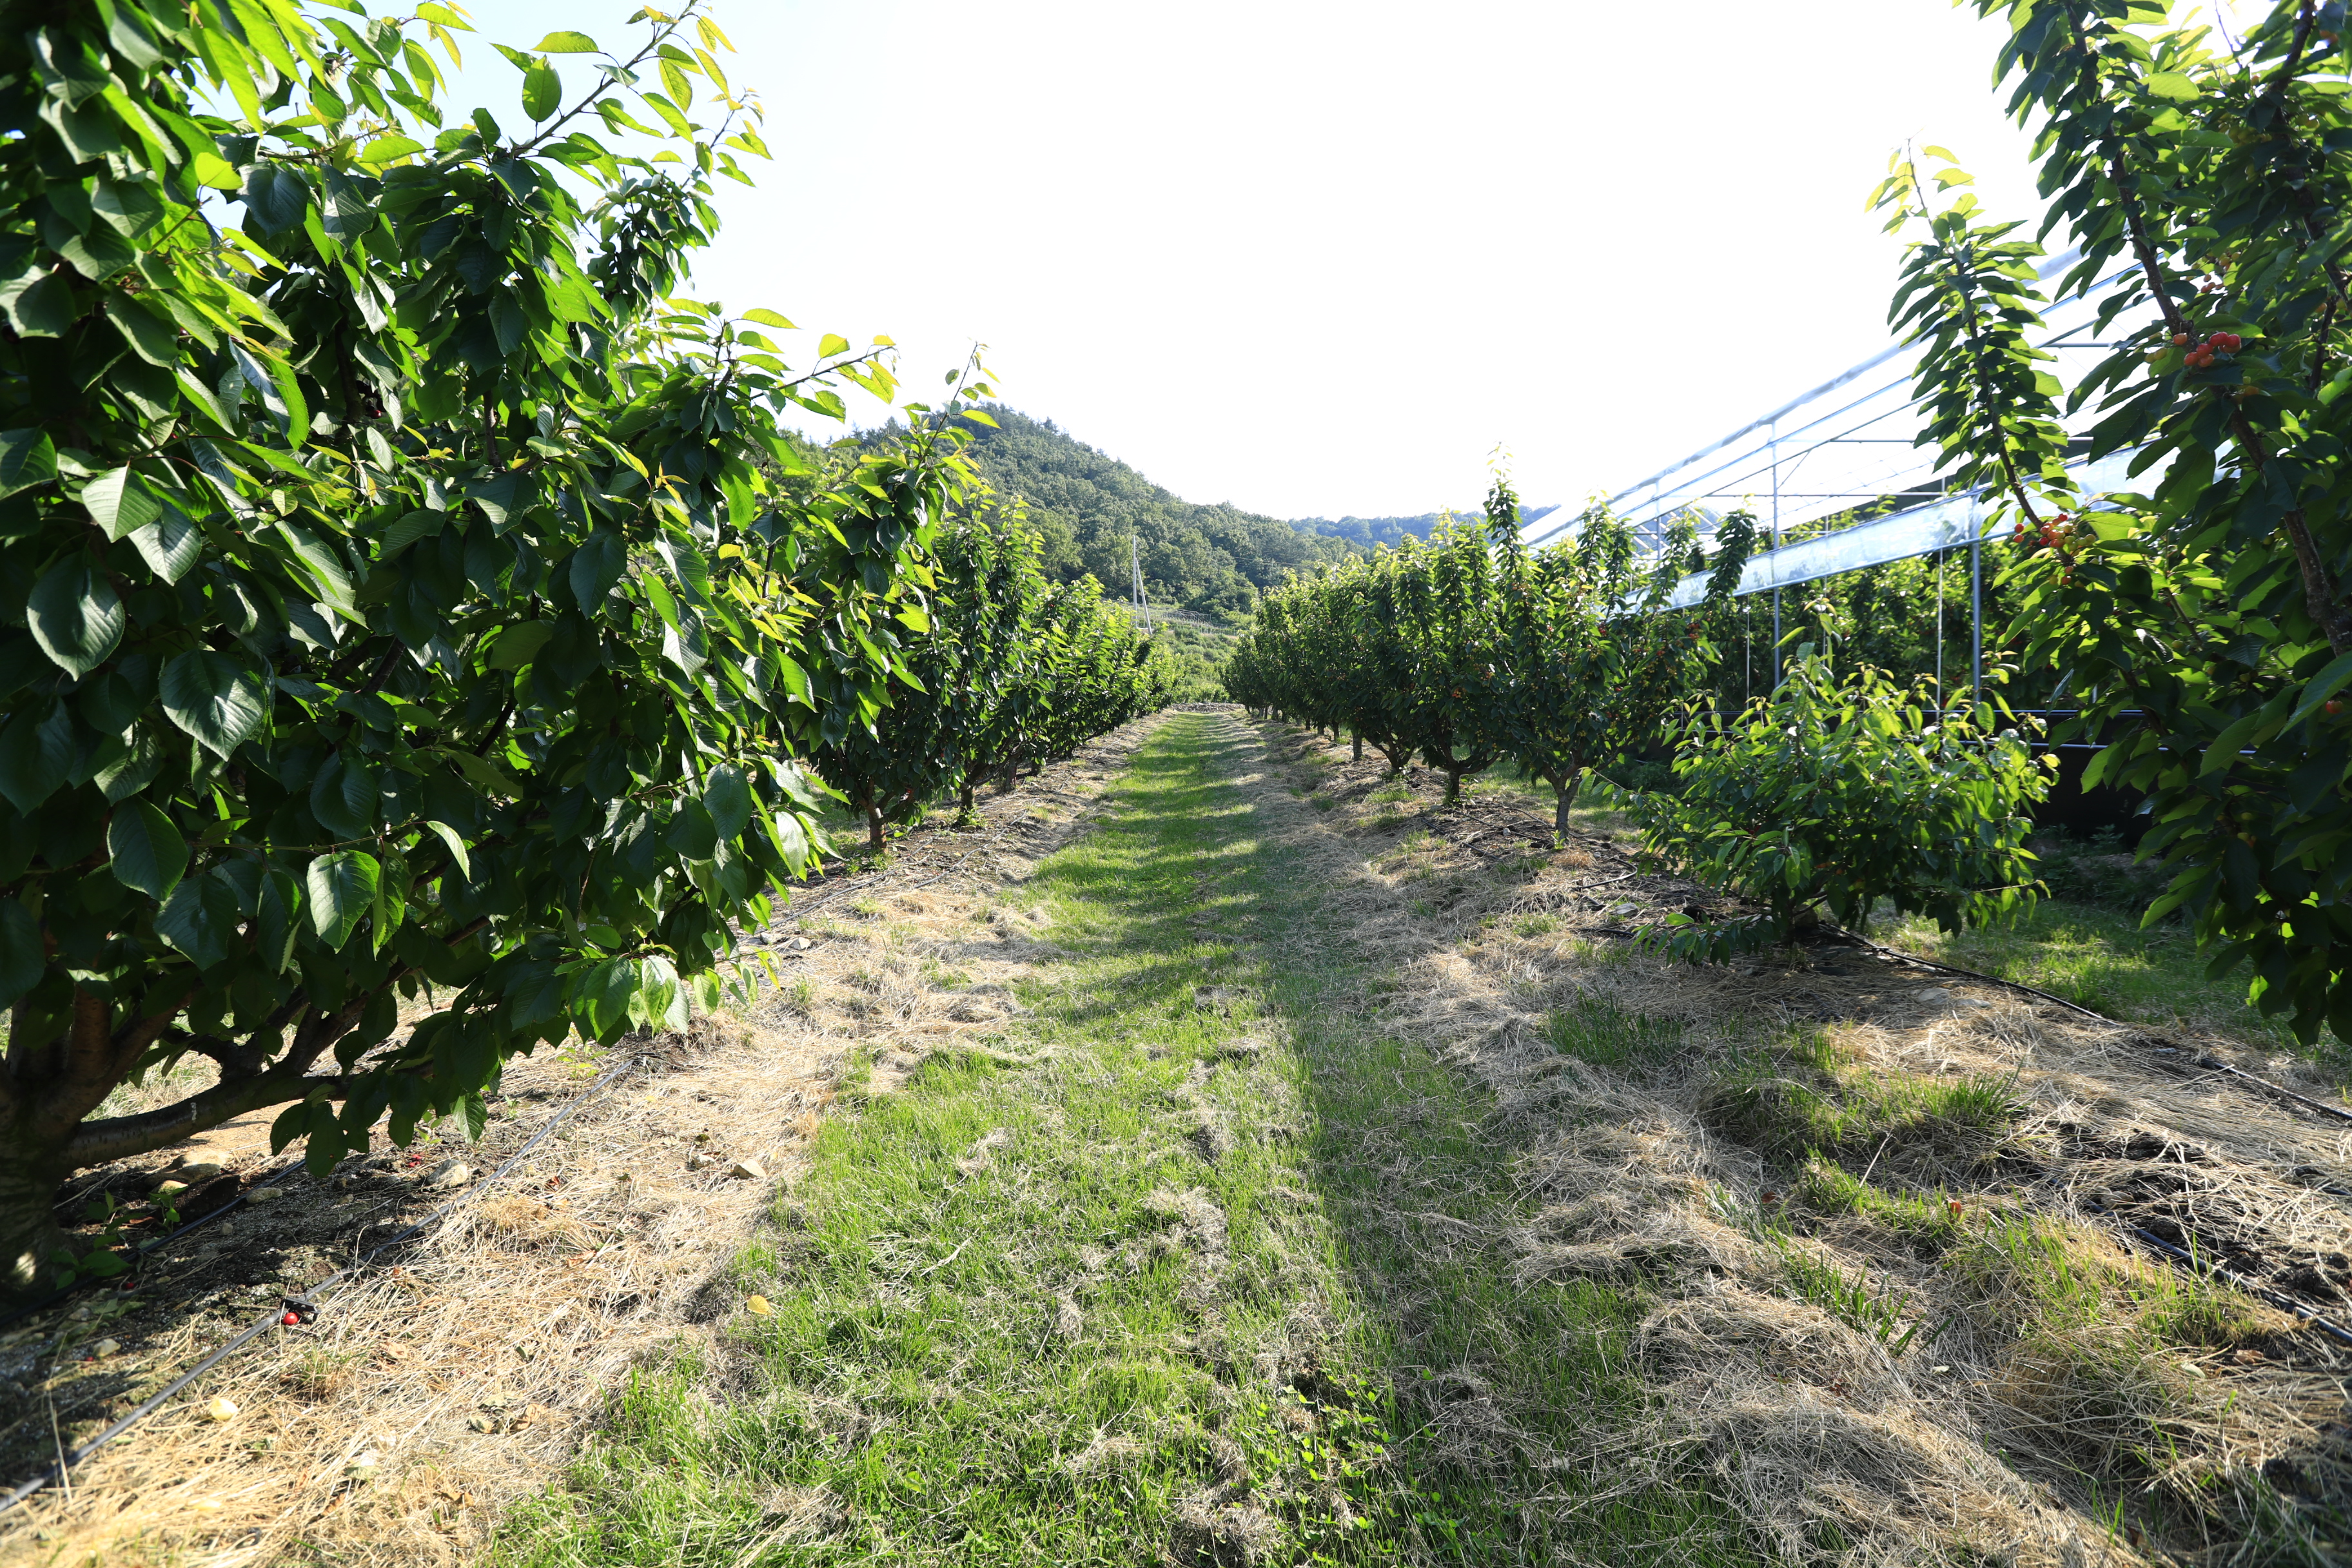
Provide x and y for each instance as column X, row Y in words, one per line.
column 279, row 920
column 36, row 753
column 22, row 959
column 595, row 567
column 831, row 344
column 75, row 616
column 213, row 697
column 201, row 918
column 727, row 795
column 144, row 851
column 133, row 771
column 322, row 565
column 768, row 318
column 150, row 337
column 294, row 1121
column 342, row 888
column 40, row 306
column 384, row 149
column 418, row 524
column 391, row 904
column 515, row 646
column 171, row 545
column 569, row 43
column 542, row 91
column 345, row 795
column 658, row 1002
column 275, row 198
column 2323, row 686
column 448, row 835
column 2172, row 87
column 26, row 459
column 601, row 996
column 120, row 502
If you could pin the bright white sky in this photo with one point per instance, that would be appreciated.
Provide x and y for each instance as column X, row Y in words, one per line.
column 1319, row 258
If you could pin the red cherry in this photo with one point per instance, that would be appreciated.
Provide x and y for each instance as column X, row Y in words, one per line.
column 2335, row 707
column 291, row 1319
column 2180, row 339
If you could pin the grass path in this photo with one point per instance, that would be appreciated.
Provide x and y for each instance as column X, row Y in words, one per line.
column 1197, row 1266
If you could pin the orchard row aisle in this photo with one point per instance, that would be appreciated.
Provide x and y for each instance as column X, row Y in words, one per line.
column 1340, row 1183
column 1196, row 1265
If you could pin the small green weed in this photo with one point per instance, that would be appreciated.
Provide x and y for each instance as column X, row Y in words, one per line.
column 1792, row 1100
column 1607, row 1035
column 1850, row 1298
column 1536, row 925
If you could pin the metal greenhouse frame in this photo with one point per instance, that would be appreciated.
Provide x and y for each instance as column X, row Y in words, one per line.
column 1848, row 442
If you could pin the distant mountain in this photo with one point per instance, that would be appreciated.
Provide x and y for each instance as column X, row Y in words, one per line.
column 1087, row 505
column 1388, row 531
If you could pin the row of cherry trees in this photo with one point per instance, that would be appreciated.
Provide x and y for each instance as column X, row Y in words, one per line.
column 1471, row 649
column 404, row 582
column 1023, row 670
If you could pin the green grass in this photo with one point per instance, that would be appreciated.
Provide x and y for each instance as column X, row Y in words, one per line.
column 1607, row 1035
column 1156, row 1298
column 1791, row 1099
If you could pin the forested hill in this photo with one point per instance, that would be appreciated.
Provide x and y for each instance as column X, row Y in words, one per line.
column 1370, row 531
column 1087, row 504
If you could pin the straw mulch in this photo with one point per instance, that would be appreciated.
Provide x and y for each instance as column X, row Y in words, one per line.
column 457, row 1373
column 2054, row 1369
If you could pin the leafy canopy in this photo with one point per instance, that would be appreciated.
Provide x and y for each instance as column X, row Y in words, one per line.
column 404, row 587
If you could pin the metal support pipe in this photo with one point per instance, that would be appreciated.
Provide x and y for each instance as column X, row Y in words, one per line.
column 1775, row 438
column 1940, row 700
column 1976, row 619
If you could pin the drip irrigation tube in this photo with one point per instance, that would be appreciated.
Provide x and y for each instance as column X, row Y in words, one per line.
column 2278, row 1298
column 2216, row 1064
column 303, row 1304
column 2209, row 1062
column 154, row 1244
column 1970, row 973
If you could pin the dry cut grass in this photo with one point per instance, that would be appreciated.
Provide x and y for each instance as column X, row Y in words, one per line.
column 1892, row 1226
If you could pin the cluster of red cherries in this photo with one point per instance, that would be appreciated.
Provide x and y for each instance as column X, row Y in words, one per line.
column 2201, row 357
column 2051, row 532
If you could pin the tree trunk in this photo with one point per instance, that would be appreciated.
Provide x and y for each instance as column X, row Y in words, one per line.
column 1357, row 737
column 1397, row 755
column 1455, row 771
column 28, row 1225
column 1567, row 792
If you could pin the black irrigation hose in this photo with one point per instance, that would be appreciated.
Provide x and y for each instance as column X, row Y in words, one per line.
column 2253, row 1288
column 152, row 1244
column 302, row 1305
column 1970, row 973
column 2211, row 1063
column 2216, row 1064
